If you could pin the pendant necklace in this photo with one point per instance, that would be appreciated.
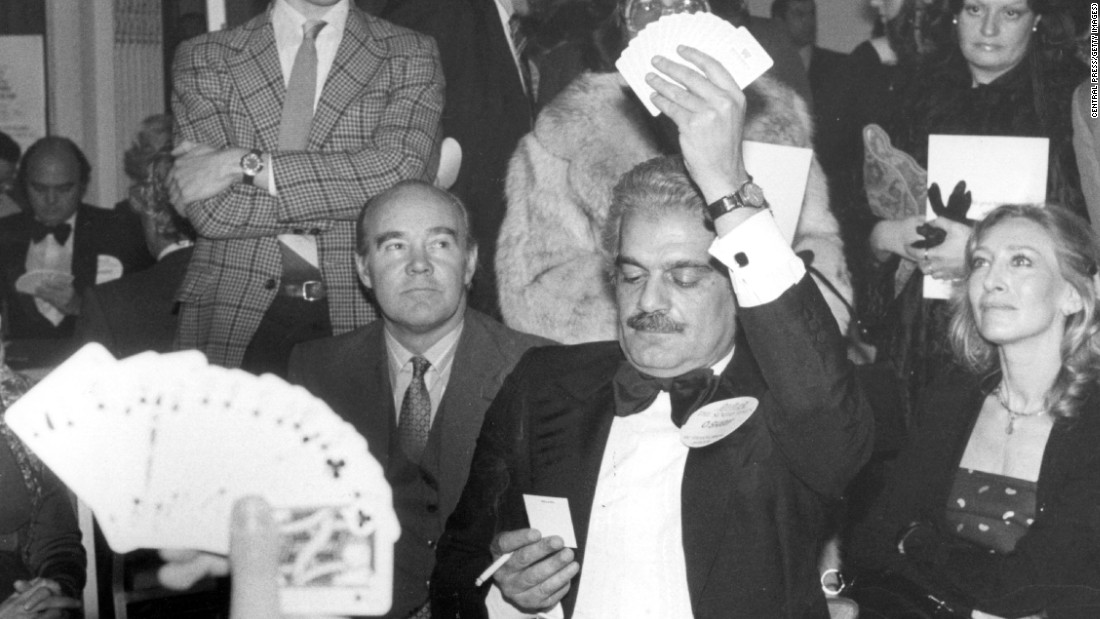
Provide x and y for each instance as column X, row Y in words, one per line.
column 1013, row 415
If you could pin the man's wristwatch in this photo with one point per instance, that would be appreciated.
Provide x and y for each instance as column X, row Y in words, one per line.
column 750, row 195
column 251, row 165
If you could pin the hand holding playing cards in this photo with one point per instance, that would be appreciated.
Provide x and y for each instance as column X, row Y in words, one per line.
column 40, row 598
column 538, row 575
column 253, row 562
column 709, row 110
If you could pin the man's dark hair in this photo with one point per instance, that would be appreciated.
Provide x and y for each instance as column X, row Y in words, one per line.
column 362, row 243
column 9, row 149
column 48, row 144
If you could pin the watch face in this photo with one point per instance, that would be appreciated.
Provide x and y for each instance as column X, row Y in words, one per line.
column 252, row 164
column 752, row 195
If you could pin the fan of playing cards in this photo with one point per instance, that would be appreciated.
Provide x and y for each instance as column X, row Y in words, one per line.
column 731, row 46
column 161, row 445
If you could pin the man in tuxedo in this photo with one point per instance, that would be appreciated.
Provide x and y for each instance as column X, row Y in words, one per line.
column 729, row 526
column 60, row 234
column 289, row 123
column 487, row 109
column 139, row 312
column 416, row 384
column 824, row 67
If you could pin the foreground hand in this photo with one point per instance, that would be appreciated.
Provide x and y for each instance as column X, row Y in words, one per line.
column 40, row 598
column 202, row 172
column 538, row 574
column 253, row 563
column 709, row 111
column 897, row 236
column 60, row 295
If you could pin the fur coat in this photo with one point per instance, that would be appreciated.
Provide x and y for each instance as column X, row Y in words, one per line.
column 551, row 270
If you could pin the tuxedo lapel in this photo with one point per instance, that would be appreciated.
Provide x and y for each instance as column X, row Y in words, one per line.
column 708, row 485
column 371, row 393
column 258, row 78
column 83, row 266
column 357, row 60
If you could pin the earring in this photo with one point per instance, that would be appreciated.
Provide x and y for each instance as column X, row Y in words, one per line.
column 955, row 21
column 1035, row 28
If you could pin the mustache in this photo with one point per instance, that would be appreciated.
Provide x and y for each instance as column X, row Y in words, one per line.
column 654, row 322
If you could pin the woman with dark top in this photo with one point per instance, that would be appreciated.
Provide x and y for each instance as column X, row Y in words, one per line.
column 995, row 504
column 1012, row 73
column 42, row 561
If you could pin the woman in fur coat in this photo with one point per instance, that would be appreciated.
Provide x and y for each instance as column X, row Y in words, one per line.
column 551, row 271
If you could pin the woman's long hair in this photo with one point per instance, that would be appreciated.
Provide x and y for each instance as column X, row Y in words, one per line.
column 1078, row 252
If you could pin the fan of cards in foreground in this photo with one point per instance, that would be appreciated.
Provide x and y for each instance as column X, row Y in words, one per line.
column 160, row 446
column 732, row 46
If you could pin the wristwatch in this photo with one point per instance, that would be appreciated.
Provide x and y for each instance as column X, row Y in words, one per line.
column 251, row 165
column 750, row 195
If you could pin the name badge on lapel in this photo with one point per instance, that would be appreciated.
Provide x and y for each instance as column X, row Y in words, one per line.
column 716, row 421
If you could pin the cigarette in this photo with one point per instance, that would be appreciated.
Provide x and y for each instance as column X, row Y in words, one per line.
column 492, row 569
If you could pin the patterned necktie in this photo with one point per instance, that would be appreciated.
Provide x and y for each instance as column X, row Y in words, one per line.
column 301, row 90
column 416, row 413
column 60, row 232
column 635, row 391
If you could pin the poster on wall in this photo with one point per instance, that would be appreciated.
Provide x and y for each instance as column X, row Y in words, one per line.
column 22, row 88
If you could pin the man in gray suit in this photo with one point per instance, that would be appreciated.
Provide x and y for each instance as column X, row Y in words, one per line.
column 417, row 383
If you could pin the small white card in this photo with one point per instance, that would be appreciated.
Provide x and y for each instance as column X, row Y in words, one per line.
column 997, row 170
column 550, row 515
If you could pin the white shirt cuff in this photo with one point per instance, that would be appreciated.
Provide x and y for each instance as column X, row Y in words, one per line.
column 271, row 176
column 762, row 265
column 499, row 608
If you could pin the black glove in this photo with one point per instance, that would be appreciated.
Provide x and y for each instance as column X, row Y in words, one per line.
column 933, row 236
column 957, row 204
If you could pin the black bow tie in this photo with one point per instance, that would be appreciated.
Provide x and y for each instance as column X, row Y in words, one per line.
column 60, row 232
column 635, row 391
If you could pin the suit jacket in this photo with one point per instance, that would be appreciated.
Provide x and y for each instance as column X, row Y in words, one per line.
column 486, row 110
column 377, row 122
column 1053, row 570
column 351, row 374
column 98, row 232
column 138, row 312
column 753, row 503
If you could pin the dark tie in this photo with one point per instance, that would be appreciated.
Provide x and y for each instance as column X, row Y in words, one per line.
column 635, row 391
column 60, row 232
column 416, row 413
column 301, row 90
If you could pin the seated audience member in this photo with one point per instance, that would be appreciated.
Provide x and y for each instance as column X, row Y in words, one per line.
column 731, row 528
column 550, row 270
column 42, row 562
column 993, row 505
column 139, row 312
column 60, row 234
column 1086, row 145
column 417, row 383
column 9, row 162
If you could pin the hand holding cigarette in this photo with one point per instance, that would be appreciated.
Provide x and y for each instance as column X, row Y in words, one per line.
column 532, row 572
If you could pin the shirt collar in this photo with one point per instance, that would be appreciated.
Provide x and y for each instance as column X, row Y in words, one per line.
column 439, row 355
column 178, row 245
column 506, row 9
column 288, row 22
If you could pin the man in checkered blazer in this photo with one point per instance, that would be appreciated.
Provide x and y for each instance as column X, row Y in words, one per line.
column 376, row 120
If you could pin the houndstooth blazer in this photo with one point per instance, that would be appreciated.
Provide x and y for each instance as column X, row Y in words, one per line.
column 377, row 122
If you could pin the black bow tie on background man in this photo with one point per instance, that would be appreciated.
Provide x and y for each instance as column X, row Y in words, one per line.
column 60, row 232
column 635, row 391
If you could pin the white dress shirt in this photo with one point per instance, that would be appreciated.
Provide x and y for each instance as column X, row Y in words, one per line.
column 287, row 24
column 441, row 356
column 49, row 255
column 634, row 557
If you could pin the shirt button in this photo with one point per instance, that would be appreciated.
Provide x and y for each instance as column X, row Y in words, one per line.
column 270, row 284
